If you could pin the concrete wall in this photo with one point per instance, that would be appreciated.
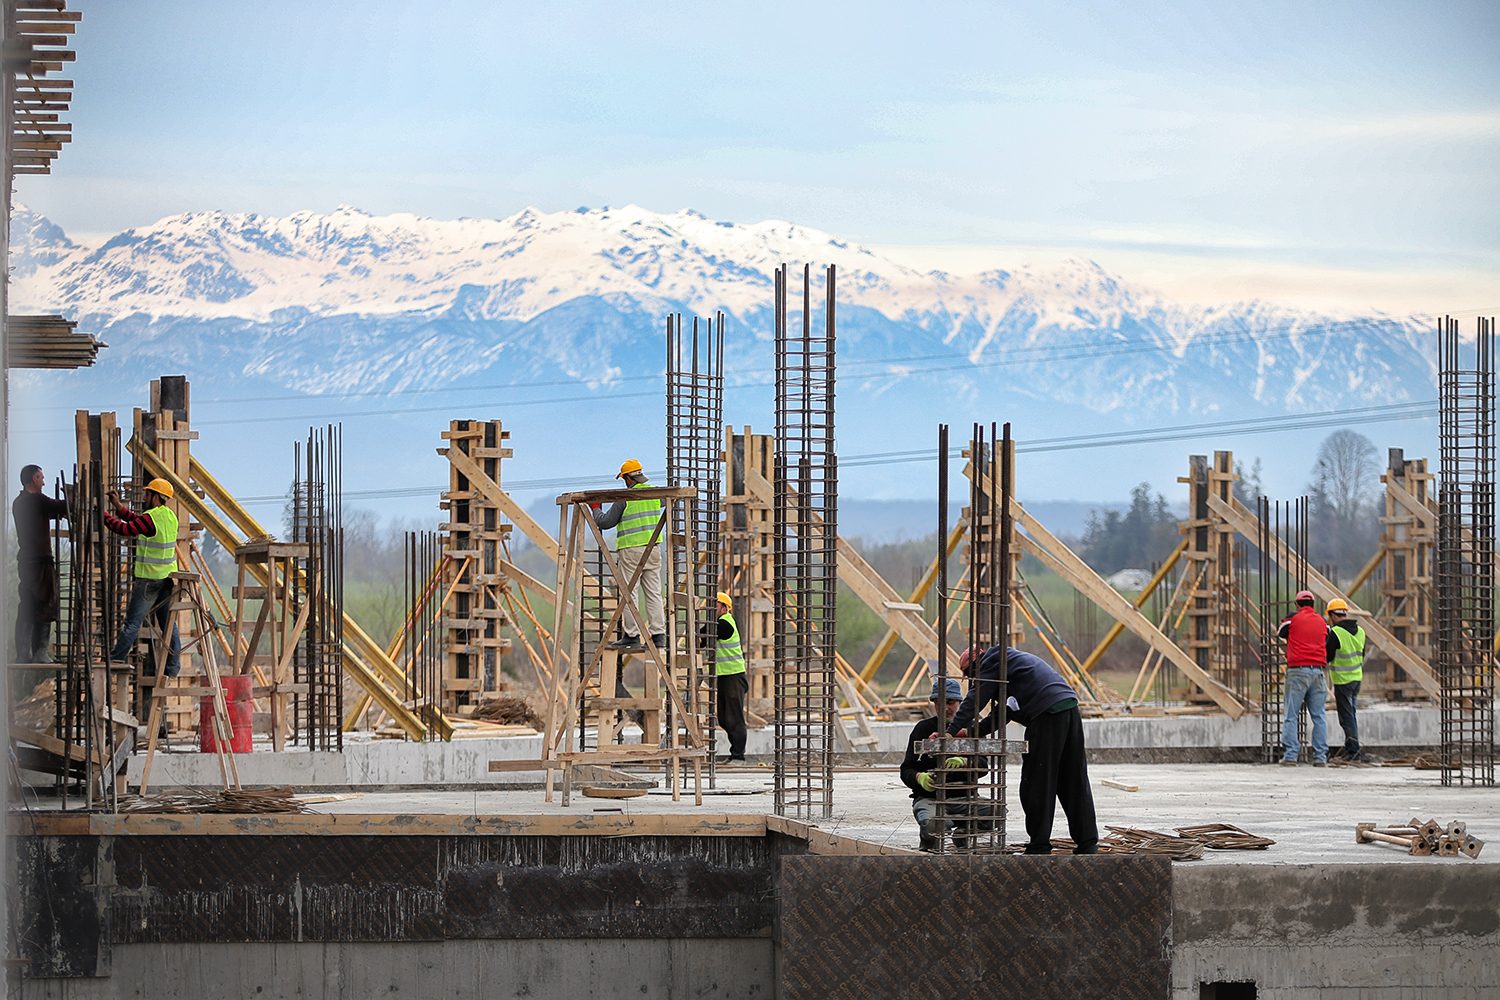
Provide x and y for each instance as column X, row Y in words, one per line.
column 536, row 969
column 1338, row 932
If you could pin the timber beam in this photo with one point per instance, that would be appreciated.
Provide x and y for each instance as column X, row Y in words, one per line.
column 1248, row 525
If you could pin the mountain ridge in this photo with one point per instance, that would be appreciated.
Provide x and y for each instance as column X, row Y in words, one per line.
column 348, row 301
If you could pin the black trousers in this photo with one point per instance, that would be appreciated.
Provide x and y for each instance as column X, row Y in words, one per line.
column 36, row 607
column 731, row 710
column 1055, row 770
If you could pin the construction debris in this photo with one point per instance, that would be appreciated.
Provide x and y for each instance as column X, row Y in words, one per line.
column 1111, row 783
column 509, row 710
column 1223, row 837
column 1188, row 845
column 210, row 800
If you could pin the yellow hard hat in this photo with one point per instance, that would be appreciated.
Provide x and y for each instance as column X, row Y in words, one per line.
column 724, row 598
column 160, row 486
column 631, row 465
column 1338, row 604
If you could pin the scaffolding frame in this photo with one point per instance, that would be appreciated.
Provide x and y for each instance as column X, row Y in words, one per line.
column 805, row 554
column 1464, row 631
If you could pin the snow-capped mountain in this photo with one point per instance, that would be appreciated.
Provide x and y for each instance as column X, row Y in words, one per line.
column 348, row 301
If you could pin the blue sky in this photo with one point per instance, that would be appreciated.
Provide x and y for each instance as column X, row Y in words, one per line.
column 1325, row 154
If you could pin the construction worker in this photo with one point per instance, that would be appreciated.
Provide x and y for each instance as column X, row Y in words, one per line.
column 922, row 773
column 1055, row 766
column 155, row 534
column 634, row 522
column 1346, row 657
column 36, row 572
column 733, row 685
column 1306, row 635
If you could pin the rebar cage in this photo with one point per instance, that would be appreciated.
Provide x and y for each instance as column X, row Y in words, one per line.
column 695, row 441
column 1465, row 611
column 970, row 785
column 1283, row 526
column 805, row 554
column 317, row 522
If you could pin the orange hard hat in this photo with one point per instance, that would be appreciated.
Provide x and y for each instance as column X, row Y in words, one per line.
column 1338, row 604
column 630, row 465
column 160, row 487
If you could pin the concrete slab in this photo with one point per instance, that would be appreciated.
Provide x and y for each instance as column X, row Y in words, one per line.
column 1310, row 812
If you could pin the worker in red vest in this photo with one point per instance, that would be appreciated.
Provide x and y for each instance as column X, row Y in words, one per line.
column 1306, row 635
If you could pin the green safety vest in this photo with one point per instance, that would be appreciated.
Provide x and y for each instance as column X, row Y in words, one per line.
column 638, row 521
column 729, row 655
column 156, row 555
column 1348, row 662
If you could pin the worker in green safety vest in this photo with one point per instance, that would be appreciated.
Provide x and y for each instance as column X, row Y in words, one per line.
column 1346, row 659
column 155, row 534
column 635, row 522
column 729, row 674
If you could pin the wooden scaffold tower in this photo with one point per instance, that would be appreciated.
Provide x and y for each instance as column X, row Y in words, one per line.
column 475, row 540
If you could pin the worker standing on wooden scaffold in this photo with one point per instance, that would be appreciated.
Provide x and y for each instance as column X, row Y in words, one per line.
column 1055, row 766
column 729, row 675
column 36, row 572
column 634, row 522
column 155, row 534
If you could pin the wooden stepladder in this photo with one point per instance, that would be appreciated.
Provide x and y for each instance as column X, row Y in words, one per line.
column 187, row 596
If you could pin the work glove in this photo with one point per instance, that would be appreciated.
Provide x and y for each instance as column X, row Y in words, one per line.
column 953, row 762
column 925, row 780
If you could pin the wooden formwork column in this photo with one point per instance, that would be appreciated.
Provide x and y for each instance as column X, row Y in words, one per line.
column 474, row 539
column 1407, row 539
column 1210, row 632
column 748, row 561
column 164, row 429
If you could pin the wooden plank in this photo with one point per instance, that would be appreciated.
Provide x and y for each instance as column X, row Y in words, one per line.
column 1061, row 560
column 1248, row 525
column 512, row 510
column 52, row 744
column 617, row 494
column 364, row 825
column 525, row 765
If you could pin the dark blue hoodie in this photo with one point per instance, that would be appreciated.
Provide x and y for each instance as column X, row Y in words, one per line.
column 1034, row 684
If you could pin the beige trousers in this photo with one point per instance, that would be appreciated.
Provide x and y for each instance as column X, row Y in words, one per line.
column 650, row 582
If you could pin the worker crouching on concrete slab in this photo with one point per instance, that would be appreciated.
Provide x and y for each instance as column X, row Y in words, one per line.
column 634, row 522
column 1054, row 768
column 922, row 774
column 155, row 534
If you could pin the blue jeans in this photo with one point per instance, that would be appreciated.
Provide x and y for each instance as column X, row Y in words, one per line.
column 1305, row 686
column 1345, row 699
column 152, row 597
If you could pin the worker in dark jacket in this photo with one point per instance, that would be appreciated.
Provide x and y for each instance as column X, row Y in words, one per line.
column 1306, row 635
column 1346, row 660
column 1054, row 768
column 923, row 773
column 36, row 572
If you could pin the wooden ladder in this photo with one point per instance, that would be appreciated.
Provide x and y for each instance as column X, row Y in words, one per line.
column 187, row 595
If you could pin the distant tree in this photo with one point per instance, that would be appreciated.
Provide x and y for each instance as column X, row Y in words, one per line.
column 1248, row 487
column 1135, row 539
column 1344, row 521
